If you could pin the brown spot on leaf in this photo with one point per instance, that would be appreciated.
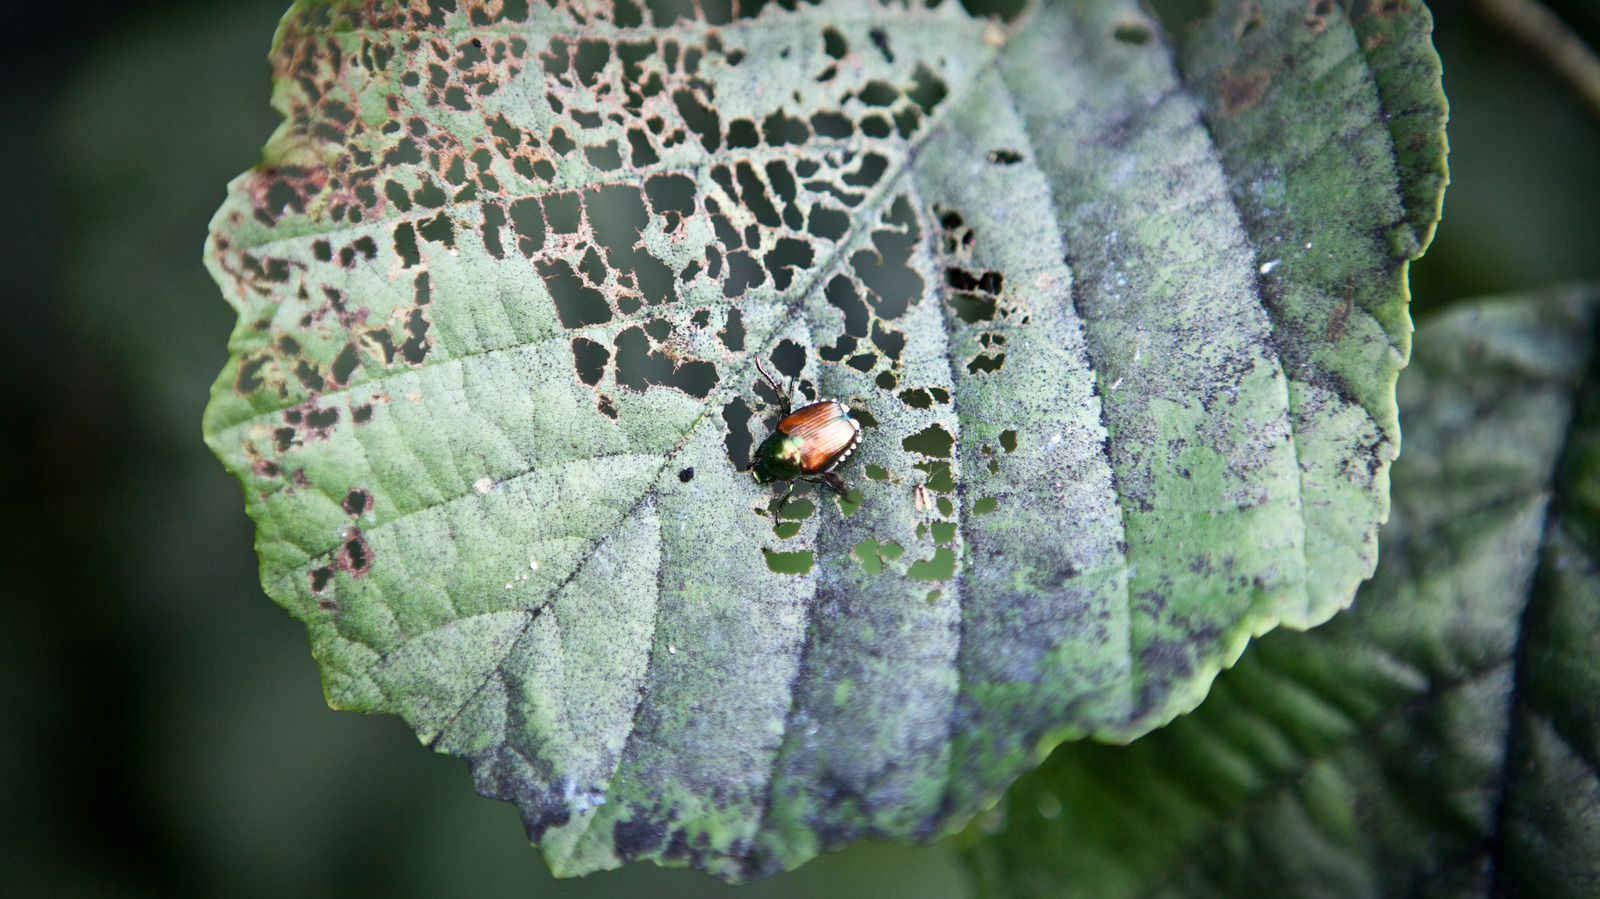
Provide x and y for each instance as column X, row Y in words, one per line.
column 1337, row 321
column 1386, row 9
column 1240, row 92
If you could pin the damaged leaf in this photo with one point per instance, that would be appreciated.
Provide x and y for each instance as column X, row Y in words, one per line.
column 1120, row 319
column 1438, row 739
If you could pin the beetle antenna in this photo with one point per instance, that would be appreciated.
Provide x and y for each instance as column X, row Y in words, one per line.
column 775, row 388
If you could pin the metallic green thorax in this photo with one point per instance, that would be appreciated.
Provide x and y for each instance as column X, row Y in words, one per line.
column 777, row 459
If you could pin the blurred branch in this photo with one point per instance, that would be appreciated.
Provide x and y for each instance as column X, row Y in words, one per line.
column 1554, row 41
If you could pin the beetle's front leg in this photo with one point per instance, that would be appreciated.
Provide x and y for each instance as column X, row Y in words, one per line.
column 783, row 500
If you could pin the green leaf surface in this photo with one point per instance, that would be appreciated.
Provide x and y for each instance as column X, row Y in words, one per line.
column 1122, row 330
column 1439, row 739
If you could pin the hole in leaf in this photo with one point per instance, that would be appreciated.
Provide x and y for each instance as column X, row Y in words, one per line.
column 563, row 212
column 732, row 334
column 591, row 58
column 736, row 414
column 638, row 367
column 972, row 308
column 927, row 88
column 789, row 358
column 891, row 342
column 833, row 43
column 415, row 349
column 701, row 119
column 867, row 552
column 779, row 128
column 743, row 274
column 832, row 124
column 742, row 134
column 797, row 510
column 344, row 365
column 841, row 292
column 850, row 503
column 606, row 157
column 577, row 304
column 939, row 477
column 671, row 194
column 1132, row 32
column 988, row 363
column 405, row 245
column 879, row 93
column 782, row 260
column 985, row 505
column 1005, row 10
column 594, row 268
column 527, row 219
column 589, row 358
column 880, row 39
column 788, row 563
column 354, row 556
column 1178, row 15
column 357, row 502
column 933, row 441
column 626, row 15
column 892, row 283
column 828, row 223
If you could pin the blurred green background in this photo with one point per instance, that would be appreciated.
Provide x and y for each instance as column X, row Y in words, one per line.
column 162, row 729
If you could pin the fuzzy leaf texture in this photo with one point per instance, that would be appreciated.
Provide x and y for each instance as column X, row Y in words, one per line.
column 1439, row 739
column 1121, row 318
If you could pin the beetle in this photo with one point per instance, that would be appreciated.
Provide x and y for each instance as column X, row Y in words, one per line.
column 808, row 443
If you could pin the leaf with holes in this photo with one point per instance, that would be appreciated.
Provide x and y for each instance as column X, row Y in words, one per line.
column 1120, row 320
column 1438, row 740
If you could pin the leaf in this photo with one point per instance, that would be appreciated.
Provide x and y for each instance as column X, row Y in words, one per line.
column 1439, row 739
column 1123, row 347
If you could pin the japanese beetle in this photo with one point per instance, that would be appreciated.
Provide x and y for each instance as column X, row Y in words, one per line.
column 808, row 444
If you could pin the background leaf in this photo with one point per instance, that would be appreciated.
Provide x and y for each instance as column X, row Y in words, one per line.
column 500, row 282
column 1438, row 737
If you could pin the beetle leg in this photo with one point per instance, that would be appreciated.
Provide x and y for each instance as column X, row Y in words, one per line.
column 785, row 500
column 832, row 481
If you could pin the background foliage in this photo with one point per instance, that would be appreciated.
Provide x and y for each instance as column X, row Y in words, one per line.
column 164, row 726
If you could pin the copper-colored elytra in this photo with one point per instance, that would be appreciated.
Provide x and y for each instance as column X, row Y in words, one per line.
column 827, row 434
